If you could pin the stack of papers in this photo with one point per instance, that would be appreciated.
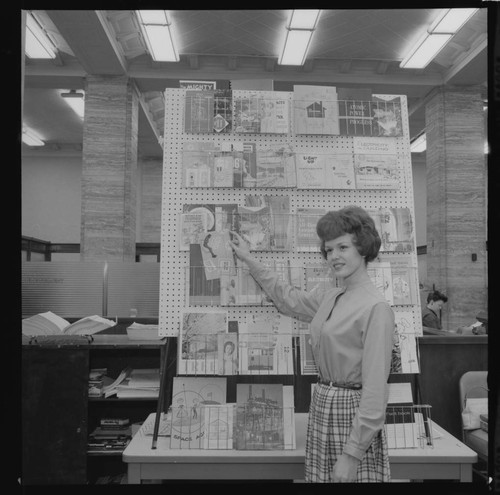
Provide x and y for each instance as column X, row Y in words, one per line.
column 139, row 331
column 140, row 383
column 111, row 386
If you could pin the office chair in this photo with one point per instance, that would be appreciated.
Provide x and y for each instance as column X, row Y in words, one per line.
column 473, row 384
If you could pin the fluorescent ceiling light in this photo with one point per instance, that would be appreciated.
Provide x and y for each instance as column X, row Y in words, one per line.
column 296, row 45
column 304, row 19
column 31, row 138
column 155, row 27
column 419, row 144
column 37, row 43
column 451, row 20
column 153, row 16
column 425, row 50
column 75, row 101
column 299, row 32
column 436, row 37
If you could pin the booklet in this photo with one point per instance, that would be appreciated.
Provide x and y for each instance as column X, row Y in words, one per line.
column 315, row 110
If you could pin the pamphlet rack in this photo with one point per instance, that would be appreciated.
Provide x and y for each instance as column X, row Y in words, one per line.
column 256, row 426
column 409, row 426
column 232, row 285
column 228, row 353
column 261, row 226
column 197, row 173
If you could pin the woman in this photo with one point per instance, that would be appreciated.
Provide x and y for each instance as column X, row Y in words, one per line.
column 351, row 334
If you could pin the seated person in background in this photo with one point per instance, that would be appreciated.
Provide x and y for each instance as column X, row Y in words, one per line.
column 430, row 314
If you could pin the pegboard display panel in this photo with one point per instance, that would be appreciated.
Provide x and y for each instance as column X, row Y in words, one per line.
column 173, row 273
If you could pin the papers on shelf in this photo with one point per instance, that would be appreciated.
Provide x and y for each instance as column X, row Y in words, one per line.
column 139, row 331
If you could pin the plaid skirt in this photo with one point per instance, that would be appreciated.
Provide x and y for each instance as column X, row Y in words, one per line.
column 330, row 417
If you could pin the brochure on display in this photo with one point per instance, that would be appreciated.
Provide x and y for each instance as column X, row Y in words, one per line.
column 265, row 222
column 198, row 352
column 258, row 344
column 265, row 342
column 208, row 111
column 315, row 110
column 264, row 418
column 189, row 397
column 376, row 171
column 196, row 220
column 325, row 171
column 355, row 115
column 262, row 112
column 306, row 239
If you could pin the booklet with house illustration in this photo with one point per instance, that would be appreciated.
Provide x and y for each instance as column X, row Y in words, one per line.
column 315, row 110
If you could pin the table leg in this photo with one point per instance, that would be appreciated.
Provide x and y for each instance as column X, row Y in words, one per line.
column 465, row 473
column 134, row 474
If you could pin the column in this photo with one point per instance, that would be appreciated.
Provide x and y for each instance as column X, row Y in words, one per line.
column 109, row 170
column 456, row 202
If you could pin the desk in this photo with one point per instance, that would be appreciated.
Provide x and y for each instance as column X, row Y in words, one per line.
column 449, row 459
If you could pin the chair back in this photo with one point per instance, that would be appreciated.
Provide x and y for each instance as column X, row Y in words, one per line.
column 472, row 384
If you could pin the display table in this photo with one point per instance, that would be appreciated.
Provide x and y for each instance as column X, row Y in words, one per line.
column 448, row 459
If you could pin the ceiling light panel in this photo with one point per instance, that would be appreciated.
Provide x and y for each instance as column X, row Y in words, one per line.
column 425, row 50
column 153, row 16
column 156, row 28
column 31, row 138
column 451, row 20
column 304, row 19
column 37, row 43
column 296, row 45
column 298, row 36
column 419, row 144
column 162, row 48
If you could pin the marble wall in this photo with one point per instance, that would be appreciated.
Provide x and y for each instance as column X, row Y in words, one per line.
column 150, row 204
column 456, row 203
column 109, row 169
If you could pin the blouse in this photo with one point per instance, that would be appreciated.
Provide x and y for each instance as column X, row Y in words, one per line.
column 352, row 338
column 430, row 319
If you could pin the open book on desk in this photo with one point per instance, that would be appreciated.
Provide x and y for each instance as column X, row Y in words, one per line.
column 51, row 324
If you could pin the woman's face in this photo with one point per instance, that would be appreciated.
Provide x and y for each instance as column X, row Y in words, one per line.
column 343, row 257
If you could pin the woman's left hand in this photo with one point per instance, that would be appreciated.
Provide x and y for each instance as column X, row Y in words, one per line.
column 345, row 469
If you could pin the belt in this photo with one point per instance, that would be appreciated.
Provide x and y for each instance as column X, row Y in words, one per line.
column 350, row 386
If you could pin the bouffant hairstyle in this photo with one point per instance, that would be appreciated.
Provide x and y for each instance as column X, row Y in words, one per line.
column 350, row 220
column 436, row 296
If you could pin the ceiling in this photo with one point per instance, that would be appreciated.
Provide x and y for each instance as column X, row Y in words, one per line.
column 358, row 47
